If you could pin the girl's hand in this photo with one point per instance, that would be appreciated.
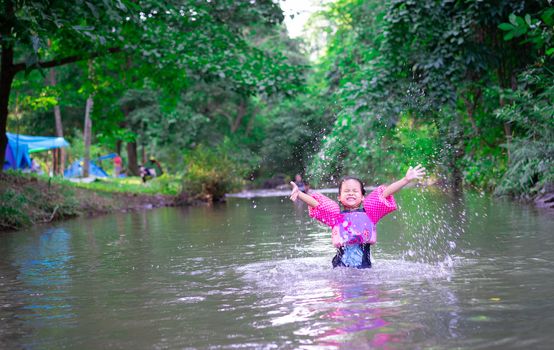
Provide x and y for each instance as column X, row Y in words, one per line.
column 415, row 173
column 295, row 191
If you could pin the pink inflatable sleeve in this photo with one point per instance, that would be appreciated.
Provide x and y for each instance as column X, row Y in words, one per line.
column 327, row 211
column 376, row 206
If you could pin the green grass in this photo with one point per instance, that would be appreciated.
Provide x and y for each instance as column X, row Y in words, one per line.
column 165, row 184
column 28, row 199
column 25, row 200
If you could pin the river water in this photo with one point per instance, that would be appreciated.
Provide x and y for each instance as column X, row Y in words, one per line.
column 449, row 272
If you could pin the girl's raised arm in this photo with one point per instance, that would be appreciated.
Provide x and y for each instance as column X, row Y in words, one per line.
column 304, row 197
column 412, row 174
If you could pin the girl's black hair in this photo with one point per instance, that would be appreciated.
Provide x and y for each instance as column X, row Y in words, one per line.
column 346, row 178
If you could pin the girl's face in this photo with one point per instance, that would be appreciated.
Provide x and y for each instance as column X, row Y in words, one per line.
column 351, row 194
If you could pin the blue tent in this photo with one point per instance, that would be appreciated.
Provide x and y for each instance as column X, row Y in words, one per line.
column 76, row 169
column 20, row 146
column 107, row 156
column 17, row 157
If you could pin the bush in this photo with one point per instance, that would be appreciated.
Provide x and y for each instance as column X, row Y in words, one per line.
column 483, row 168
column 213, row 172
column 12, row 210
column 531, row 165
column 26, row 200
column 531, row 168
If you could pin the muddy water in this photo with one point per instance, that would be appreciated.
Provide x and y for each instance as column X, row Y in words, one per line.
column 255, row 273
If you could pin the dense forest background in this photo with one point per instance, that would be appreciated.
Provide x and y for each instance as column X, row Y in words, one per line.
column 221, row 95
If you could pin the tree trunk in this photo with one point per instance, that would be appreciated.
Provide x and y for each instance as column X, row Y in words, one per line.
column 118, row 147
column 6, row 79
column 507, row 78
column 59, row 126
column 7, row 74
column 132, row 158
column 87, row 134
column 132, row 155
column 55, row 161
column 471, row 107
column 59, row 133
column 456, row 152
column 240, row 114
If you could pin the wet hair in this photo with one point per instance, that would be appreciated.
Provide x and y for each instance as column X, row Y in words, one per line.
column 346, row 178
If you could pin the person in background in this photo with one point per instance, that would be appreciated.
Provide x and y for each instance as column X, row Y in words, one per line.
column 154, row 167
column 35, row 167
column 151, row 169
column 302, row 186
column 117, row 163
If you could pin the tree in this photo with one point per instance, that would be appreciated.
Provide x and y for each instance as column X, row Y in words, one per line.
column 455, row 53
column 531, row 165
column 80, row 32
column 173, row 38
column 439, row 68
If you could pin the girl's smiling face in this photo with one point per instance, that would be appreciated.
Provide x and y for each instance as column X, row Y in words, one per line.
column 350, row 194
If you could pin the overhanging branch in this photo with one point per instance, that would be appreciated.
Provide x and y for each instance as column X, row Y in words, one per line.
column 18, row 67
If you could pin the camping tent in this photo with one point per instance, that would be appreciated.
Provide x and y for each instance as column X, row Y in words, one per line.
column 76, row 169
column 17, row 157
column 20, row 146
column 107, row 156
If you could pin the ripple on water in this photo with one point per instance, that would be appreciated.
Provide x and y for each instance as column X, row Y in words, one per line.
column 308, row 290
column 285, row 274
column 331, row 307
column 191, row 300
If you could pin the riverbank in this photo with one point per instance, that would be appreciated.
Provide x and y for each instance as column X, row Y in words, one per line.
column 27, row 200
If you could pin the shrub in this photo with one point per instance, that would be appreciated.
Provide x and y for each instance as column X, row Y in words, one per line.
column 13, row 213
column 531, row 165
column 212, row 172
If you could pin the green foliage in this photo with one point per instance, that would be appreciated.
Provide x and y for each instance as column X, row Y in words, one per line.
column 538, row 31
column 77, row 148
column 484, row 168
column 292, row 135
column 12, row 210
column 530, row 168
column 531, row 164
column 415, row 144
column 31, row 91
column 211, row 172
column 419, row 81
column 166, row 184
column 165, row 49
column 25, row 200
column 354, row 94
column 399, row 83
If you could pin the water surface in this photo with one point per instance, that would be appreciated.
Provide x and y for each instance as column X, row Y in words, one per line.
column 255, row 273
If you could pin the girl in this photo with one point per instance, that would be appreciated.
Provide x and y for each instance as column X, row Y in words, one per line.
column 353, row 228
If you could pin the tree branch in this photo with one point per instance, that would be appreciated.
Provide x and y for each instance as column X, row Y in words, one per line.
column 18, row 67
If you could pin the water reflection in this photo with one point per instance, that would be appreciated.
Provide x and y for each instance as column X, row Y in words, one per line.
column 35, row 287
column 43, row 269
column 350, row 308
column 357, row 310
